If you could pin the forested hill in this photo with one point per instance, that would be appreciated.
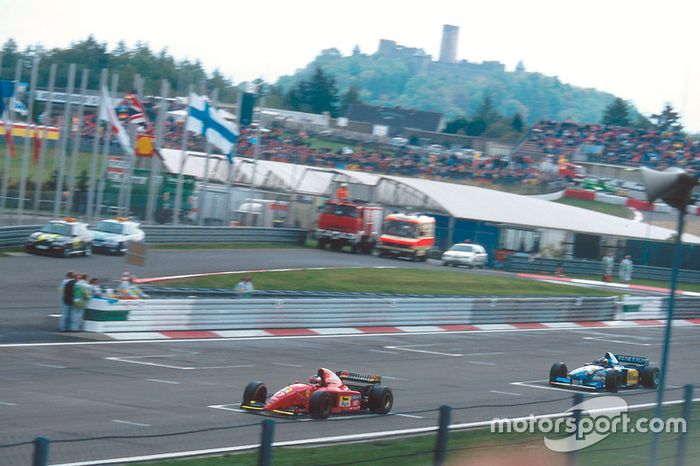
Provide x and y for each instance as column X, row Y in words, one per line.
column 455, row 89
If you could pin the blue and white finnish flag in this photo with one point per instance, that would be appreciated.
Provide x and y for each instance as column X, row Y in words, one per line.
column 206, row 120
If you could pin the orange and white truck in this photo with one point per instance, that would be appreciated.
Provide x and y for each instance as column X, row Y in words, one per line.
column 407, row 235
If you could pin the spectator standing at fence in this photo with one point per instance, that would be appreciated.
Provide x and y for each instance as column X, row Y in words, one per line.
column 626, row 266
column 608, row 263
column 66, row 289
column 96, row 290
column 81, row 295
column 245, row 287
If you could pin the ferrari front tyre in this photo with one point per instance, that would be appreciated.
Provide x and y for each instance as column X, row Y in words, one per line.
column 320, row 404
column 380, row 399
column 611, row 384
column 650, row 377
column 255, row 391
column 558, row 370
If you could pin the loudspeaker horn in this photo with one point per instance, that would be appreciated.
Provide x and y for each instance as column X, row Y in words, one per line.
column 674, row 185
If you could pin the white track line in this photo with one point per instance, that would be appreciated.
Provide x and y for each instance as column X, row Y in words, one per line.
column 551, row 328
column 138, row 424
column 505, row 393
column 171, row 382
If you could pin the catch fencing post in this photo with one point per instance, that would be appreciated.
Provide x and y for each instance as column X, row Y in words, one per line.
column 578, row 399
column 683, row 438
column 41, row 451
column 443, row 431
column 268, row 433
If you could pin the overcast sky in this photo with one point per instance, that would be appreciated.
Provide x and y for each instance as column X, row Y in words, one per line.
column 640, row 50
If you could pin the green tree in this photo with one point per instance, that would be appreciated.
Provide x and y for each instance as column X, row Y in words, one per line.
column 318, row 94
column 517, row 123
column 617, row 113
column 487, row 111
column 667, row 120
column 351, row 96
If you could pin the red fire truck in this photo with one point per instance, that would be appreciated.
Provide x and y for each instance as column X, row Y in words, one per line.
column 407, row 235
column 345, row 223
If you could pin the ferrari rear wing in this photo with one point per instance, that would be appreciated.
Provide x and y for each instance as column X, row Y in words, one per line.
column 357, row 377
column 632, row 360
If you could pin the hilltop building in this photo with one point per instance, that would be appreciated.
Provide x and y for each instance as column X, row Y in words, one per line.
column 422, row 63
column 448, row 47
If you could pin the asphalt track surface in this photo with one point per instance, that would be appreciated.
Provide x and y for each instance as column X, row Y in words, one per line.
column 146, row 393
column 139, row 398
column 29, row 302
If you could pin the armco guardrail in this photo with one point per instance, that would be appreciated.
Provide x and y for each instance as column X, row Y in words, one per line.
column 594, row 268
column 199, row 234
column 105, row 315
column 16, row 235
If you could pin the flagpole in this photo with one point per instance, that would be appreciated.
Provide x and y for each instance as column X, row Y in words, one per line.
column 27, row 137
column 64, row 143
column 183, row 156
column 76, row 141
column 202, row 197
column 9, row 126
column 39, row 184
column 133, row 134
column 107, row 141
column 156, row 168
column 92, row 182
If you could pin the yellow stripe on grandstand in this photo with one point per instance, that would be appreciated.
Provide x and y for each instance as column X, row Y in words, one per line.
column 20, row 130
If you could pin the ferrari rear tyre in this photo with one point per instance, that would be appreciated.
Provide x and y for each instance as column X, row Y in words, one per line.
column 255, row 391
column 558, row 369
column 650, row 377
column 611, row 381
column 320, row 405
column 381, row 399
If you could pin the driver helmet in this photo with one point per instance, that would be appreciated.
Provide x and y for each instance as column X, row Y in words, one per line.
column 315, row 380
column 603, row 362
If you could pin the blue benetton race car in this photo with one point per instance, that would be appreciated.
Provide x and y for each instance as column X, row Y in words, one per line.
column 609, row 373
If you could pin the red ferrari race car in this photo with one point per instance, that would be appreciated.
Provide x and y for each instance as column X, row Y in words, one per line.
column 326, row 393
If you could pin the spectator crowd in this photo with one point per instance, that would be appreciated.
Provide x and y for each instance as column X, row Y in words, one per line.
column 617, row 145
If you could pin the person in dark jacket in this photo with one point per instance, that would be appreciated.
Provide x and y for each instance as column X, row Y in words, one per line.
column 67, row 290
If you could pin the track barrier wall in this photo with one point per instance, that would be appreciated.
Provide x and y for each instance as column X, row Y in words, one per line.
column 105, row 315
column 17, row 235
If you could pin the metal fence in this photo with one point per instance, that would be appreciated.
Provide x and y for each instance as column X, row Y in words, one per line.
column 17, row 235
column 429, row 445
column 593, row 268
column 225, row 314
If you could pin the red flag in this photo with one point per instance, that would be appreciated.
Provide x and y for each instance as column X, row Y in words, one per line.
column 10, row 143
column 37, row 144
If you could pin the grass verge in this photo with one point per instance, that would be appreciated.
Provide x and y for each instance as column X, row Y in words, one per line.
column 413, row 281
column 475, row 447
column 610, row 209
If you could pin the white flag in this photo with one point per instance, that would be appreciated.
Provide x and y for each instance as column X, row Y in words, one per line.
column 108, row 114
column 206, row 120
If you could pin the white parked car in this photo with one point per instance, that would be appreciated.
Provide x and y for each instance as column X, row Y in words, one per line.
column 113, row 235
column 471, row 255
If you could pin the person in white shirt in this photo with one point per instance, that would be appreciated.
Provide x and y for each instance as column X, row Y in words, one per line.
column 245, row 287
